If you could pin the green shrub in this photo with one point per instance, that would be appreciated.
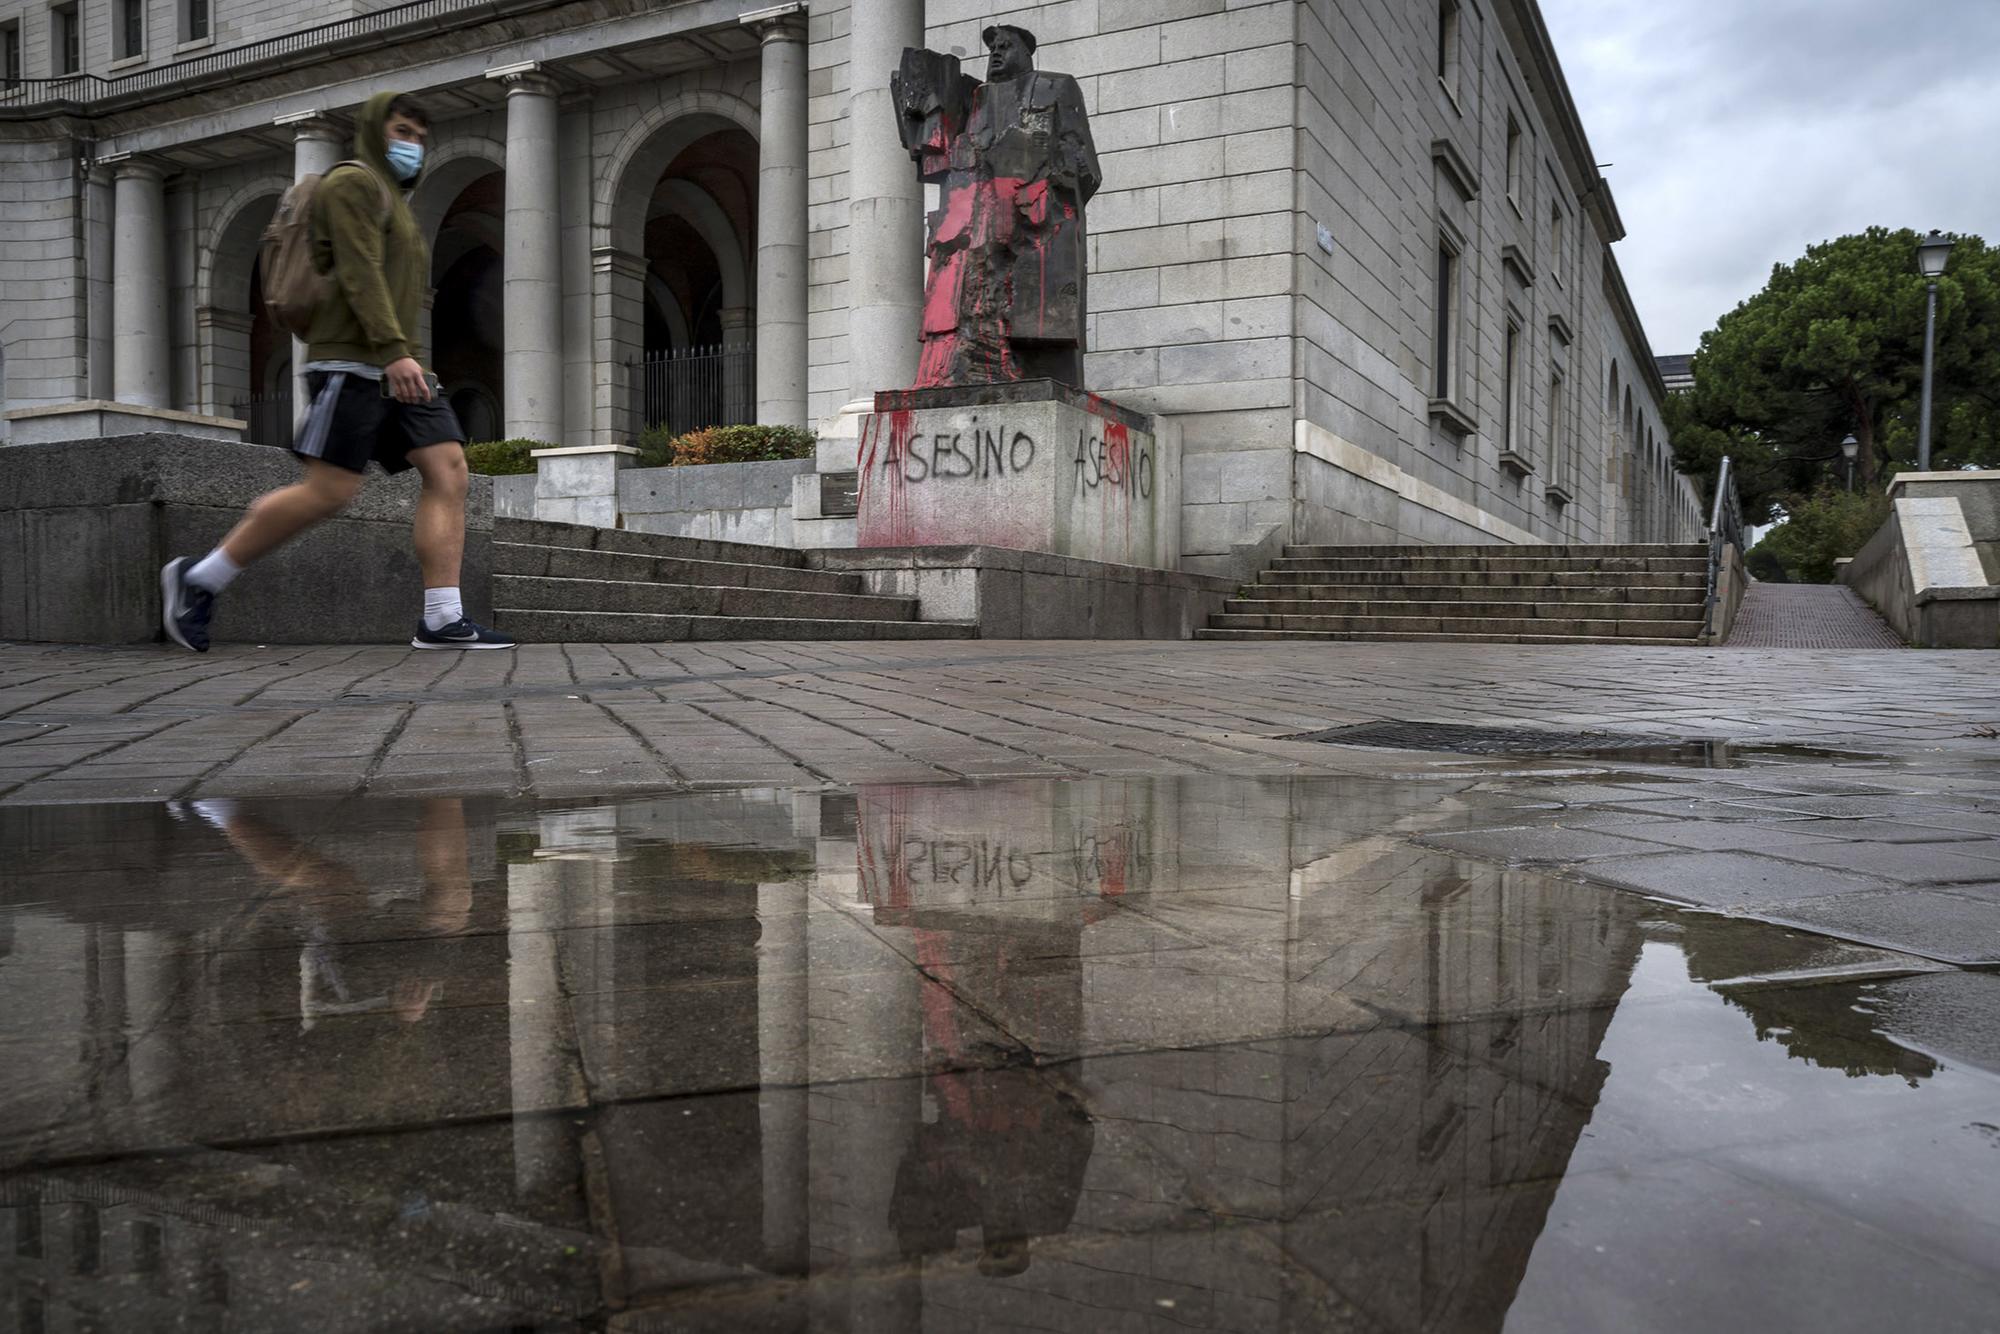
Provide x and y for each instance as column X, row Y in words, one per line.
column 656, row 447
column 1764, row 566
column 1818, row 531
column 502, row 458
column 724, row 444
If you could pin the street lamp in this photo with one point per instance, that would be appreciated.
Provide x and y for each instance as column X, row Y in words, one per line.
column 1933, row 253
column 1849, row 448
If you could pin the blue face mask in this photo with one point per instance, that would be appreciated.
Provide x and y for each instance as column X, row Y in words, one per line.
column 405, row 159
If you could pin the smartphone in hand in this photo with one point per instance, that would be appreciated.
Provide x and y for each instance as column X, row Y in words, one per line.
column 437, row 388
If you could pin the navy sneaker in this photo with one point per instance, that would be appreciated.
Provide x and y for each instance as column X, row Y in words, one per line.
column 184, row 607
column 461, row 633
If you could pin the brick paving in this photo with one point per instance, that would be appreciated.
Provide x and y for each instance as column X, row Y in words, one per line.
column 86, row 724
column 1825, row 616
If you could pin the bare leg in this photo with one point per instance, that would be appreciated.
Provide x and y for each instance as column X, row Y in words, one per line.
column 442, row 853
column 440, row 526
column 277, row 517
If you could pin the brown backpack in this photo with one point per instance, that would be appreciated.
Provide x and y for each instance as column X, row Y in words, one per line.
column 293, row 288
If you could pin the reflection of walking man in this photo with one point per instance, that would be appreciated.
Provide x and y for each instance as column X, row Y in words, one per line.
column 313, row 889
column 370, row 395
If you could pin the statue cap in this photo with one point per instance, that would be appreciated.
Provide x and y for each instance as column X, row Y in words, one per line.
column 1022, row 33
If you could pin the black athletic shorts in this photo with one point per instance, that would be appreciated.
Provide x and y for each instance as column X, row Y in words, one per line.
column 350, row 422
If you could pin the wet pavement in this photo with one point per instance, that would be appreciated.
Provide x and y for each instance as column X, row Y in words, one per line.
column 1090, row 1054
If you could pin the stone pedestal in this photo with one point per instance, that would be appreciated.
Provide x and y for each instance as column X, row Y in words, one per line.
column 1030, row 466
column 580, row 484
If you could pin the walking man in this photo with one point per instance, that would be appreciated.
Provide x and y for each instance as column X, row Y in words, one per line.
column 371, row 397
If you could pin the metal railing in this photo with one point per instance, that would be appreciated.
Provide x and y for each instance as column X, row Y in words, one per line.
column 1725, row 529
column 685, row 389
column 267, row 418
column 85, row 90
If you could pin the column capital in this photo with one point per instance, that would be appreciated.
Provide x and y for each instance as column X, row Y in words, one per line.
column 314, row 124
column 610, row 259
column 131, row 166
column 528, row 79
column 778, row 23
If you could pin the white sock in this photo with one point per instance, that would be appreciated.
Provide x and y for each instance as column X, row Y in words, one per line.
column 214, row 571
column 215, row 811
column 441, row 608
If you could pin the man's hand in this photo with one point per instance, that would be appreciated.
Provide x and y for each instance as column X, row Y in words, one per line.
column 406, row 381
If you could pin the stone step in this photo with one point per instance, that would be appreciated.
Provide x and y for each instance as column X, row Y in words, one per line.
column 1504, row 564
column 1600, row 579
column 1682, row 550
column 1613, row 590
column 541, row 532
column 529, row 558
column 534, row 593
column 1406, row 637
column 610, row 627
column 1682, row 631
column 1323, row 608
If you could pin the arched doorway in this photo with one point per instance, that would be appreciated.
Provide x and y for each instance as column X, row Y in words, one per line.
column 244, row 361
column 468, row 314
column 697, row 367
column 673, row 233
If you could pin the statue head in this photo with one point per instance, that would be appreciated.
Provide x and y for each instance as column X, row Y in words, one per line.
column 1010, row 52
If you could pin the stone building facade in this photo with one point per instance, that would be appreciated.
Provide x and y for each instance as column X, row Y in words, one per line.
column 1359, row 249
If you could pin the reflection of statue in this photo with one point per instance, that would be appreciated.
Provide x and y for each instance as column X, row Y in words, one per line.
column 1014, row 160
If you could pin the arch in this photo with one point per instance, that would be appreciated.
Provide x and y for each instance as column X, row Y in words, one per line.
column 1611, row 396
column 669, row 306
column 222, row 267
column 701, row 211
column 448, row 169
column 624, row 189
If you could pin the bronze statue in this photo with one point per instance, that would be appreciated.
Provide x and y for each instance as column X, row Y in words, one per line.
column 1005, row 299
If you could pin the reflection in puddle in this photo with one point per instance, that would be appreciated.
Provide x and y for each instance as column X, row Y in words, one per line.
column 1203, row 1053
column 1713, row 754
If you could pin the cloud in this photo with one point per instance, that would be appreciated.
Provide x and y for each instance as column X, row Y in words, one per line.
column 1743, row 131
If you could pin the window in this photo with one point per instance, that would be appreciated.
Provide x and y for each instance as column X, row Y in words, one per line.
column 1559, row 461
column 1446, row 333
column 10, row 52
column 1556, row 239
column 1510, row 391
column 194, row 20
column 1515, row 193
column 66, row 44
column 1447, row 52
column 131, row 28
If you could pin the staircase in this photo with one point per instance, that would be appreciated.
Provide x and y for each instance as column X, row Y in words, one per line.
column 1475, row 594
column 563, row 582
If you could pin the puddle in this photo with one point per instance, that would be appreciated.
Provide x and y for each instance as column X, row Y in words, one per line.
column 1219, row 1054
column 1719, row 755
column 1528, row 743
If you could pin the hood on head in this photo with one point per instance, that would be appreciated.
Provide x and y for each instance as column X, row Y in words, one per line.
column 371, row 135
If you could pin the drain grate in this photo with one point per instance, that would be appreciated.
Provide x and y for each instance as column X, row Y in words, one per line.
column 1393, row 735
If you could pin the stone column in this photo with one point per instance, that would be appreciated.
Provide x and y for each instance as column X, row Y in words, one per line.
column 140, row 370
column 618, row 283
column 738, row 333
column 97, row 215
column 579, row 365
column 224, row 336
column 781, row 220
column 532, row 262
column 885, row 236
column 318, row 142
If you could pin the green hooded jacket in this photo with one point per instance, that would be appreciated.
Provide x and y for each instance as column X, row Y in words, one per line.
column 380, row 267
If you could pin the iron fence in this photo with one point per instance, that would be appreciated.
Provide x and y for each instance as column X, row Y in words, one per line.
column 267, row 418
column 685, row 389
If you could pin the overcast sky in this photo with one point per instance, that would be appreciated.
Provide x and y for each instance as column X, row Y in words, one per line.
column 1743, row 131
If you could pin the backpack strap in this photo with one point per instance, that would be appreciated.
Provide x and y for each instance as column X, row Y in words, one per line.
column 388, row 200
